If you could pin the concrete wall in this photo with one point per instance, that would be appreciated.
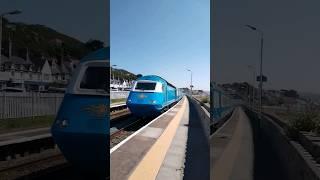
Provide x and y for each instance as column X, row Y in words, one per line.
column 298, row 163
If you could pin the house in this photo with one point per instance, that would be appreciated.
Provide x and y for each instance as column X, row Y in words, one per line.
column 18, row 74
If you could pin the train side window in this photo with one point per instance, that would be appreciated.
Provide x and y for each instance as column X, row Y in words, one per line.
column 95, row 78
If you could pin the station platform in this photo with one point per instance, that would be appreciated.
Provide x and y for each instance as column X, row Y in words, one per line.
column 172, row 146
column 25, row 135
column 232, row 149
column 113, row 105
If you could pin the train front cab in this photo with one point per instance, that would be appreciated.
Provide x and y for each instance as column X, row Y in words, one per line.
column 81, row 128
column 146, row 98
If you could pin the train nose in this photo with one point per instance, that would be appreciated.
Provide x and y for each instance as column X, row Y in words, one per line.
column 85, row 151
column 144, row 109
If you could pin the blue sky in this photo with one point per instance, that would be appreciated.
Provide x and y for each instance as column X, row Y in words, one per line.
column 81, row 19
column 162, row 38
column 291, row 42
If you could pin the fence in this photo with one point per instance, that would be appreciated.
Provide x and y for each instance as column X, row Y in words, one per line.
column 17, row 105
column 119, row 94
column 290, row 108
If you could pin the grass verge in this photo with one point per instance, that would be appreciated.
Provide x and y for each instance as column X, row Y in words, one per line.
column 113, row 101
column 16, row 124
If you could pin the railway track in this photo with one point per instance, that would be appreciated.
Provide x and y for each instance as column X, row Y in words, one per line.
column 20, row 144
column 28, row 156
column 37, row 156
column 33, row 166
column 127, row 125
column 125, row 128
column 120, row 114
column 135, row 122
column 31, row 154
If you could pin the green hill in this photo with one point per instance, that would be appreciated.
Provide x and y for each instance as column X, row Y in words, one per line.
column 40, row 40
column 123, row 74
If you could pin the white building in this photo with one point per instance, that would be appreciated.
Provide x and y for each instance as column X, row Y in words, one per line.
column 18, row 74
column 116, row 84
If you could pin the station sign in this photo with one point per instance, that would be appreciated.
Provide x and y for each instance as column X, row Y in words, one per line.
column 264, row 78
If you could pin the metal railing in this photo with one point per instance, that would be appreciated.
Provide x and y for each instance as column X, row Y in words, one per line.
column 119, row 94
column 18, row 105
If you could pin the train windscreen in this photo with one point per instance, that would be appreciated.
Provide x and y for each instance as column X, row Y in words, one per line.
column 145, row 86
column 95, row 78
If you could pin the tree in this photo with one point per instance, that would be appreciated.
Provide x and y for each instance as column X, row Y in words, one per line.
column 94, row 45
column 291, row 93
column 139, row 75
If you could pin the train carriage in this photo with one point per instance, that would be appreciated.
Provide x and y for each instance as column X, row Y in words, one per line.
column 81, row 127
column 221, row 103
column 150, row 95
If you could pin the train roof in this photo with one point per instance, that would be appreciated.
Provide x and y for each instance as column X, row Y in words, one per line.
column 101, row 54
column 154, row 78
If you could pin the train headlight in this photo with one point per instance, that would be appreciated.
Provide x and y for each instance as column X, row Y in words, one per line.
column 153, row 101
column 62, row 123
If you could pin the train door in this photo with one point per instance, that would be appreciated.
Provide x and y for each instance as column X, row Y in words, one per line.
column 165, row 86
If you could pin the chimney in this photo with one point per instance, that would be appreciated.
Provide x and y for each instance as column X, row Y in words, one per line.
column 10, row 48
column 27, row 55
column 62, row 52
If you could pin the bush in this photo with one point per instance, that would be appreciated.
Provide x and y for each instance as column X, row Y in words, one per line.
column 204, row 99
column 304, row 122
column 307, row 120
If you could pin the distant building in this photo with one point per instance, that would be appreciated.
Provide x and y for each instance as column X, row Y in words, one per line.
column 116, row 84
column 185, row 90
column 18, row 74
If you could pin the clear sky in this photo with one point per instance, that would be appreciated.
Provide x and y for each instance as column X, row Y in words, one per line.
column 162, row 37
column 81, row 19
column 292, row 37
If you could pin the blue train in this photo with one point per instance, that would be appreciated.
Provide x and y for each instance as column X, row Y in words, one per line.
column 221, row 103
column 81, row 127
column 150, row 95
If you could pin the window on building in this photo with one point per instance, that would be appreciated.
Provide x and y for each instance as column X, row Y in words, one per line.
column 46, row 76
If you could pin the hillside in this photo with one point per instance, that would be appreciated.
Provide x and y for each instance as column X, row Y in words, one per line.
column 40, row 40
column 123, row 74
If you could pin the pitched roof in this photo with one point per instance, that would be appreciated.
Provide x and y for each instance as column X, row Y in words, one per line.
column 4, row 59
column 15, row 60
column 63, row 68
column 19, row 60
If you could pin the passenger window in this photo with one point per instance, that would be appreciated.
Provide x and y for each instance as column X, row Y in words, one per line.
column 95, row 78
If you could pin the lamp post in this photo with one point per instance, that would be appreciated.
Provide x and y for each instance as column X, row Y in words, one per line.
column 250, row 67
column 112, row 71
column 191, row 86
column 261, row 58
column 1, row 17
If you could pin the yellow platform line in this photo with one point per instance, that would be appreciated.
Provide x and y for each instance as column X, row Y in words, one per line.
column 149, row 166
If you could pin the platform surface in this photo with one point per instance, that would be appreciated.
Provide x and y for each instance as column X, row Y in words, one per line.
column 168, row 148
column 232, row 149
column 20, row 136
